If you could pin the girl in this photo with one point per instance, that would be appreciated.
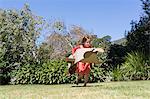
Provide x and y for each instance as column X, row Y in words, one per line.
column 83, row 69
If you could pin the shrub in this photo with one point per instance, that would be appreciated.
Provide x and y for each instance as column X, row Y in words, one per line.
column 23, row 75
column 136, row 67
column 50, row 72
column 99, row 74
column 117, row 74
column 19, row 30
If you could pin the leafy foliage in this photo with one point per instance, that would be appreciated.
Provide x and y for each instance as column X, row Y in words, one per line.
column 25, row 63
column 138, row 39
column 135, row 67
column 99, row 74
column 50, row 72
column 115, row 56
column 44, row 52
column 18, row 34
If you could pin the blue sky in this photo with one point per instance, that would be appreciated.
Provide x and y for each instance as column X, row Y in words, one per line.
column 103, row 17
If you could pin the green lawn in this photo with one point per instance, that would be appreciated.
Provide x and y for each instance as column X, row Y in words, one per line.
column 112, row 90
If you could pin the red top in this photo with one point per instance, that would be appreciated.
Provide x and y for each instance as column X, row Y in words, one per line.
column 83, row 68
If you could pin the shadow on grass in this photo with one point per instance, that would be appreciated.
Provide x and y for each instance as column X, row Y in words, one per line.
column 86, row 86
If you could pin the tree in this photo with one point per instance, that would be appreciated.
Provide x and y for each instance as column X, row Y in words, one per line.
column 19, row 30
column 138, row 38
column 104, row 43
column 115, row 56
column 62, row 40
column 44, row 52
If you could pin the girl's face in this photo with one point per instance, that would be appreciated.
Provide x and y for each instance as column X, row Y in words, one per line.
column 87, row 43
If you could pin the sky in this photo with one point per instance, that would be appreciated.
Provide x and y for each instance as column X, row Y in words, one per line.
column 102, row 17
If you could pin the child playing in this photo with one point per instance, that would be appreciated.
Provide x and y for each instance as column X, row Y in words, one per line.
column 83, row 69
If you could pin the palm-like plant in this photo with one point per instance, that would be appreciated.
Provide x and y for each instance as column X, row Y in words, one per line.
column 135, row 66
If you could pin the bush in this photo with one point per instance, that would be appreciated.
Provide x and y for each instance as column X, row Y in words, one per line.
column 23, row 75
column 117, row 74
column 99, row 74
column 50, row 72
column 96, row 74
column 136, row 67
column 18, row 34
column 4, row 79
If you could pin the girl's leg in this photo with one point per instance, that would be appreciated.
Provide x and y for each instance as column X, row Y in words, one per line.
column 80, row 75
column 86, row 78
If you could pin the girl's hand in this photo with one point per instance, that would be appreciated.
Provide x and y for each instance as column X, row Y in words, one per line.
column 98, row 50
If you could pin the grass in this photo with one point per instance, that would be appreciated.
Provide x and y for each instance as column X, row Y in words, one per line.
column 111, row 90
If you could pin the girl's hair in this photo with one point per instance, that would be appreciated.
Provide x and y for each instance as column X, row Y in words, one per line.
column 84, row 39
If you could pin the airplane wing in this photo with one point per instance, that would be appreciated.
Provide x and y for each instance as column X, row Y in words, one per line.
column 87, row 55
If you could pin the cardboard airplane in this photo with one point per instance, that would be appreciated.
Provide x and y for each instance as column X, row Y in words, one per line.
column 86, row 55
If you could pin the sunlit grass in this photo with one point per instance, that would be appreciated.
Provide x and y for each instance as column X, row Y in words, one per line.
column 112, row 90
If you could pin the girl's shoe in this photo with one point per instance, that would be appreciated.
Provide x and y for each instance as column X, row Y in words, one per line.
column 84, row 85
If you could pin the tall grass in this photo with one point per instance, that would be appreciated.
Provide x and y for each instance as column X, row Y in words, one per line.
column 136, row 67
